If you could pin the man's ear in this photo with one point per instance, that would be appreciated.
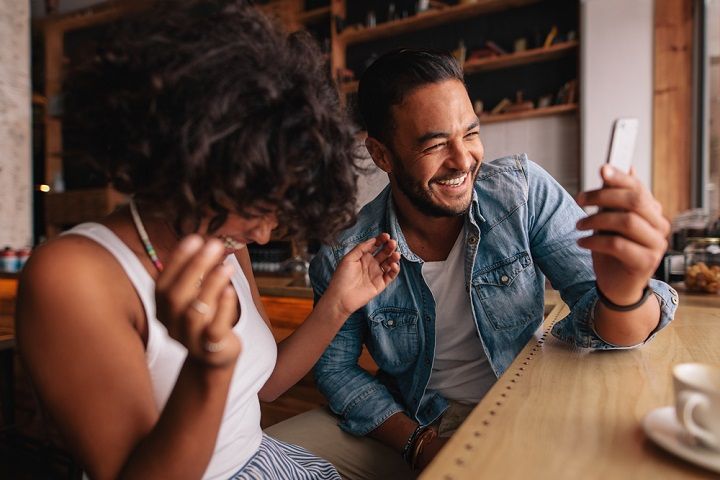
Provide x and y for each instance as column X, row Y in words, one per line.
column 379, row 153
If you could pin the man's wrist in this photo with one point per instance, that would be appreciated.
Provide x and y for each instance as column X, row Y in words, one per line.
column 627, row 306
column 419, row 446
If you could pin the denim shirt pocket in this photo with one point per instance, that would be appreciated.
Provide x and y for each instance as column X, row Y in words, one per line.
column 501, row 288
column 394, row 340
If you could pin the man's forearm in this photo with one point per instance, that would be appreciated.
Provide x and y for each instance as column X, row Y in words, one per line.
column 395, row 431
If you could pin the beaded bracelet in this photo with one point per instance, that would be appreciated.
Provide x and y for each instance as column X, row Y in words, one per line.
column 410, row 441
column 424, row 439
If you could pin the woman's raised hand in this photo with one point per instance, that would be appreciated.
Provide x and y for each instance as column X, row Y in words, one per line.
column 364, row 272
column 196, row 302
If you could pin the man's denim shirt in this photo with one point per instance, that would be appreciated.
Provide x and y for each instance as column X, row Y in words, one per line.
column 520, row 227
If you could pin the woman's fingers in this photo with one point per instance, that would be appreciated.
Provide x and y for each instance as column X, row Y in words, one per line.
column 189, row 280
column 390, row 267
column 385, row 251
column 187, row 247
column 212, row 286
column 217, row 339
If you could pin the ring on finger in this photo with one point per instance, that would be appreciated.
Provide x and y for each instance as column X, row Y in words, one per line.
column 213, row 347
column 199, row 306
column 382, row 269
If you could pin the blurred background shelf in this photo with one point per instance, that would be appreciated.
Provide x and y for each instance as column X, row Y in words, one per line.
column 430, row 18
column 527, row 57
column 534, row 113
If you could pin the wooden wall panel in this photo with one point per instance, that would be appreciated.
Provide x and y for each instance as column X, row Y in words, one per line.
column 672, row 126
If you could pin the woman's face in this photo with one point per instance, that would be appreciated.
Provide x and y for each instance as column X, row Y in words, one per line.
column 239, row 230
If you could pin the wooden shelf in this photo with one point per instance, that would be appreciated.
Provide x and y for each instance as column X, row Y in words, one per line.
column 521, row 58
column 536, row 112
column 314, row 16
column 38, row 99
column 429, row 19
column 349, row 87
column 93, row 15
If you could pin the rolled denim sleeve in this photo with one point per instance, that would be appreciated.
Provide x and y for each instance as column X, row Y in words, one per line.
column 553, row 215
column 362, row 401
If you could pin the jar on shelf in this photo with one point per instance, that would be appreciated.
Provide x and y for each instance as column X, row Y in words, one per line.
column 702, row 264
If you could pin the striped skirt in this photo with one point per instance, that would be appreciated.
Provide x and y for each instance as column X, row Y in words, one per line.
column 276, row 460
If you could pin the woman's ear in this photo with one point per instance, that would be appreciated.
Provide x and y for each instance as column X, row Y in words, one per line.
column 379, row 153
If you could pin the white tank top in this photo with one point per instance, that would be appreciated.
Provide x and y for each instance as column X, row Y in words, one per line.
column 240, row 433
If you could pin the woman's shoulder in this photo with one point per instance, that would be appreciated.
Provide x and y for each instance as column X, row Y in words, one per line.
column 66, row 257
column 68, row 274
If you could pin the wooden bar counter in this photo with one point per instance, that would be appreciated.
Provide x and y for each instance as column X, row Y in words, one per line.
column 565, row 413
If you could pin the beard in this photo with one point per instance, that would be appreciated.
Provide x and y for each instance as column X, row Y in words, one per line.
column 421, row 196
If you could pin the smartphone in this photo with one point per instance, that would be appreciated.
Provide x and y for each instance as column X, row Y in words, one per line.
column 622, row 143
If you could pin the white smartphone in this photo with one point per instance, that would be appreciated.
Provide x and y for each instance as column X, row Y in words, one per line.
column 622, row 143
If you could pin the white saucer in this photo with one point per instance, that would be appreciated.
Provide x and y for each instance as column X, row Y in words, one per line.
column 662, row 427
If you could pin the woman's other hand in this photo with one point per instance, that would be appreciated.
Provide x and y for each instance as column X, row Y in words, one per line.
column 197, row 303
column 364, row 272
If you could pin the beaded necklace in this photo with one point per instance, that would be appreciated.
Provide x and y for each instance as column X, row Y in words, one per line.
column 144, row 237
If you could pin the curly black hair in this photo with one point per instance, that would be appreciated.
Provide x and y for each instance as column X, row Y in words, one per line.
column 208, row 105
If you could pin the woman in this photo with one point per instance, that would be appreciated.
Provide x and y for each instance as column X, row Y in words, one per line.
column 144, row 334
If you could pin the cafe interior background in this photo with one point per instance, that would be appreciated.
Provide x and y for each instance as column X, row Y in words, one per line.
column 547, row 77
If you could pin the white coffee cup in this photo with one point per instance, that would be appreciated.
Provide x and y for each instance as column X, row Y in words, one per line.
column 697, row 401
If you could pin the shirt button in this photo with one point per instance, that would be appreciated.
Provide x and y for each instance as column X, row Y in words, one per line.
column 472, row 240
column 504, row 279
column 675, row 300
column 391, row 322
column 427, row 318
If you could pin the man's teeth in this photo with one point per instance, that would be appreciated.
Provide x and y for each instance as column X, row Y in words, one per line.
column 231, row 243
column 454, row 182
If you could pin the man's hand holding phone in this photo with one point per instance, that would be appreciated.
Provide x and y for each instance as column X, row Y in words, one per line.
column 629, row 232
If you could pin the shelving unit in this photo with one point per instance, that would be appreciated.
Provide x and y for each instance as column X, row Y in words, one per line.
column 522, row 58
column 394, row 31
column 428, row 19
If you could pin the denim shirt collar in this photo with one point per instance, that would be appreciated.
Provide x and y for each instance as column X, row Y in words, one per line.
column 393, row 225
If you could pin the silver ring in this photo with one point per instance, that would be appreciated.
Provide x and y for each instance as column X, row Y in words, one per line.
column 213, row 347
column 382, row 269
column 199, row 306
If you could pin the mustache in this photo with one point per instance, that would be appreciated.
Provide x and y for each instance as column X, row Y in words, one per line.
column 457, row 174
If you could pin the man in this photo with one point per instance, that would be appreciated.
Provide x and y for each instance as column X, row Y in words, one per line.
column 477, row 240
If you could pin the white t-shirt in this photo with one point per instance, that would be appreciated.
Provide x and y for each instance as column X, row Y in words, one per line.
column 460, row 370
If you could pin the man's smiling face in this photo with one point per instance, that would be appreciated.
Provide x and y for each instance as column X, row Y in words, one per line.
column 436, row 149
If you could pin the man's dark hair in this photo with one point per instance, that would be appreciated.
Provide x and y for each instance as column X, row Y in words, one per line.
column 205, row 105
column 392, row 77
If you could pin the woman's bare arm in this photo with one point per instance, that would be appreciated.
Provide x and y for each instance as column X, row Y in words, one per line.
column 359, row 277
column 76, row 327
